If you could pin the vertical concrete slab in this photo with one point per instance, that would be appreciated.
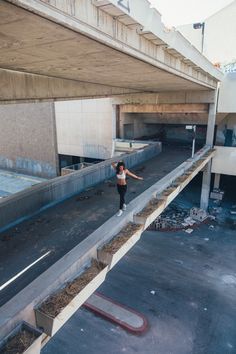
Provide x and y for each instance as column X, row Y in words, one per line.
column 217, row 180
column 206, row 180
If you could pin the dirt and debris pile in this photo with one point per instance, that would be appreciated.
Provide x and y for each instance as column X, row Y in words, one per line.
column 121, row 238
column 19, row 343
column 178, row 218
column 57, row 302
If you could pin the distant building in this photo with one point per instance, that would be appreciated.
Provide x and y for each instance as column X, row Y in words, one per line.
column 215, row 37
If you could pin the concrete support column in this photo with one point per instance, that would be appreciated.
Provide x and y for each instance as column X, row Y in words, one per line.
column 217, row 181
column 211, row 123
column 206, row 179
column 206, row 183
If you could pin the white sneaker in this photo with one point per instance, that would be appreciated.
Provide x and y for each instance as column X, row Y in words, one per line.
column 124, row 206
column 120, row 212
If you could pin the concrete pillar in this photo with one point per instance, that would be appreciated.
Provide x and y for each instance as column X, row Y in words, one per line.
column 217, row 181
column 206, row 183
column 206, row 179
column 211, row 124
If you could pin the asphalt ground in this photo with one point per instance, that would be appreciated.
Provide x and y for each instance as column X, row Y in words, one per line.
column 185, row 286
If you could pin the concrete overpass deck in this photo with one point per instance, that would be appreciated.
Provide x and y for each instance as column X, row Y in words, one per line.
column 69, row 49
column 60, row 228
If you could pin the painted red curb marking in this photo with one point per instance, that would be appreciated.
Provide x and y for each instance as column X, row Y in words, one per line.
column 123, row 324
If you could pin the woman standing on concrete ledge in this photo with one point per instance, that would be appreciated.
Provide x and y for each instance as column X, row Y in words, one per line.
column 121, row 172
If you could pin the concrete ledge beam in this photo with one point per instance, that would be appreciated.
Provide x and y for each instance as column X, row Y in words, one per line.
column 166, row 97
column 18, row 86
column 165, row 108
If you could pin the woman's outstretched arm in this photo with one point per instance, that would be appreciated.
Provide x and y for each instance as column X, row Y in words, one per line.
column 133, row 175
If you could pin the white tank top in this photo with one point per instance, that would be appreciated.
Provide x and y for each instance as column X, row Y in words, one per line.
column 122, row 175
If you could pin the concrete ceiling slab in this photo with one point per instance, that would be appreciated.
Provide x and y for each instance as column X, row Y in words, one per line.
column 32, row 44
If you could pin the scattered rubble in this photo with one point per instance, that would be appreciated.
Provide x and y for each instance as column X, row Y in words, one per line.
column 198, row 214
column 233, row 210
column 189, row 231
column 217, row 194
column 178, row 218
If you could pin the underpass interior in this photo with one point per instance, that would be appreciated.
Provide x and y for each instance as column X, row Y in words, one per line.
column 173, row 129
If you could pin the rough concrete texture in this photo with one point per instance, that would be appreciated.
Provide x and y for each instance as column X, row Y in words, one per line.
column 12, row 182
column 192, row 307
column 28, row 139
column 72, row 44
column 62, row 227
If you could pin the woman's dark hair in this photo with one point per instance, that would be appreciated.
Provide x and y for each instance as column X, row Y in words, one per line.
column 120, row 163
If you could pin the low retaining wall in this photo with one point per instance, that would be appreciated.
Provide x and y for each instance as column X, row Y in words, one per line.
column 20, row 206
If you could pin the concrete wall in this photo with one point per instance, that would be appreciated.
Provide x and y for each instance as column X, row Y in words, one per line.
column 28, row 139
column 226, row 131
column 223, row 165
column 85, row 128
column 227, row 95
column 219, row 38
column 23, row 205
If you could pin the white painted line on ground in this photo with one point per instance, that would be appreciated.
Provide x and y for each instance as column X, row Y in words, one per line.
column 23, row 271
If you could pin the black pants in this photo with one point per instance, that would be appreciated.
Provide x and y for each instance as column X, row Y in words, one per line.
column 122, row 190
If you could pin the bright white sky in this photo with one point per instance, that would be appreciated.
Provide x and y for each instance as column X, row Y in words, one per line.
column 180, row 12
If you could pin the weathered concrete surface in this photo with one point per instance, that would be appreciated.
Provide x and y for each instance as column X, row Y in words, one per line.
column 11, row 182
column 73, row 135
column 62, row 227
column 224, row 161
column 26, row 87
column 193, row 310
column 28, row 139
column 78, row 45
column 18, row 207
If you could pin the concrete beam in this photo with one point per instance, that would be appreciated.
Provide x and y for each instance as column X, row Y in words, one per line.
column 17, row 86
column 166, row 97
column 165, row 108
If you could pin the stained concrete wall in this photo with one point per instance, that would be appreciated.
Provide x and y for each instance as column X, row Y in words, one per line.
column 23, row 205
column 224, row 161
column 227, row 100
column 28, row 139
column 85, row 128
column 226, row 131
